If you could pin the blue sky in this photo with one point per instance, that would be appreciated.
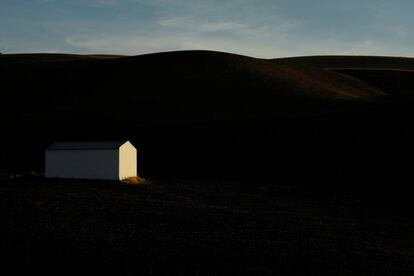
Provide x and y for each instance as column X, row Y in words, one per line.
column 262, row 28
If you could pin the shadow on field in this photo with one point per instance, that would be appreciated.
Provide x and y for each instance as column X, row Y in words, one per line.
column 202, row 226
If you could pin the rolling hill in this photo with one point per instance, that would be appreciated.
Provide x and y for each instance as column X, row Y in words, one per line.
column 393, row 75
column 367, row 62
column 208, row 114
column 297, row 166
column 207, row 85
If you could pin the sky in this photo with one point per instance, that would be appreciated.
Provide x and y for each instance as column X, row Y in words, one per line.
column 258, row 28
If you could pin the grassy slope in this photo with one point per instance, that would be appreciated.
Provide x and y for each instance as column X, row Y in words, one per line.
column 391, row 74
column 166, row 88
column 199, row 227
column 367, row 62
column 202, row 113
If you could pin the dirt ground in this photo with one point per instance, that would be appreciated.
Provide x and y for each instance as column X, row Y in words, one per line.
column 201, row 227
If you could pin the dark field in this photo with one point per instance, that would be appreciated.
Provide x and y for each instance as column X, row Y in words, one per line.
column 198, row 114
column 203, row 227
column 310, row 159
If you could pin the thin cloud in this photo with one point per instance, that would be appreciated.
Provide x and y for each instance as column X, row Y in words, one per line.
column 264, row 28
column 188, row 23
column 135, row 45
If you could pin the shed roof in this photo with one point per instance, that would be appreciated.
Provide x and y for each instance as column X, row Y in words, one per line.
column 86, row 145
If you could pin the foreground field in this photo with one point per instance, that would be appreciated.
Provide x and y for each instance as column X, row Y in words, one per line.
column 207, row 227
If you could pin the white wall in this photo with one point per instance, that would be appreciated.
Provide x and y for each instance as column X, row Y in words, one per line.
column 127, row 161
column 83, row 164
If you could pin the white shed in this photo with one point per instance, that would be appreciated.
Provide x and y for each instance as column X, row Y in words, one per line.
column 91, row 160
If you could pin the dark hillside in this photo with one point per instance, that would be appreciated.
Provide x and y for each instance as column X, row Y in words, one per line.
column 391, row 74
column 367, row 62
column 208, row 114
column 259, row 167
column 393, row 81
